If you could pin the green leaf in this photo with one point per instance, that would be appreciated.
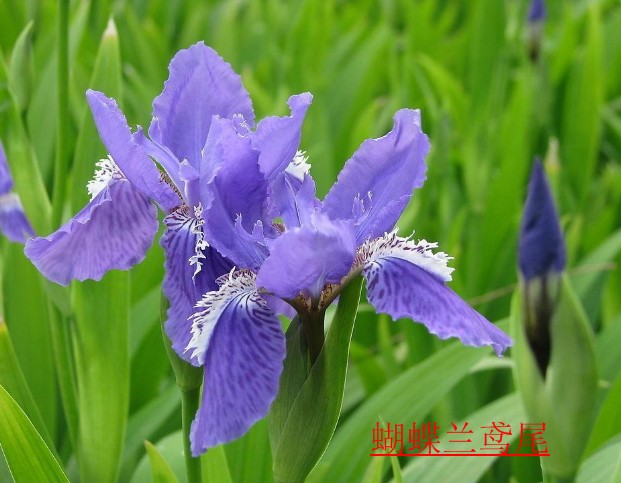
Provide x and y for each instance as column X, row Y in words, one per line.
column 159, row 467
column 171, row 449
column 249, row 458
column 408, row 397
column 603, row 466
column 608, row 422
column 101, row 339
column 89, row 149
column 24, row 166
column 27, row 315
column 565, row 399
column 28, row 457
column 13, row 380
column 215, row 467
column 508, row 409
column 581, row 127
column 20, row 67
column 148, row 423
column 315, row 411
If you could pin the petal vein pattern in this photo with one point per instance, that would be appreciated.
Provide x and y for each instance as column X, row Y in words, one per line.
column 392, row 245
column 234, row 287
column 241, row 344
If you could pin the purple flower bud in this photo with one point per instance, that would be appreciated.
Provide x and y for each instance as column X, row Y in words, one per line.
column 537, row 11
column 541, row 245
column 541, row 257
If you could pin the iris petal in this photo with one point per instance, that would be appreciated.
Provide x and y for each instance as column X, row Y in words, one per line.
column 234, row 196
column 278, row 138
column 240, row 342
column 304, row 259
column 182, row 288
column 113, row 231
column 292, row 200
column 13, row 222
column 400, row 288
column 201, row 85
column 384, row 172
column 128, row 155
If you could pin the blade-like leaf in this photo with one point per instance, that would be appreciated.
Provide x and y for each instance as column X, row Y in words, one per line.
column 101, row 336
column 508, row 409
column 160, row 470
column 28, row 458
column 315, row 412
column 409, row 397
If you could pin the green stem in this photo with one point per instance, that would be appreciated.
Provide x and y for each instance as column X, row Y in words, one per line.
column 189, row 380
column 62, row 158
column 189, row 406
column 312, row 325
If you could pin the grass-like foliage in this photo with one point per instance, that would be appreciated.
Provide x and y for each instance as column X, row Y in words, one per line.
column 84, row 373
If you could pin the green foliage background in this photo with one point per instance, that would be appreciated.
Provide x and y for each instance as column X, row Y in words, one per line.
column 488, row 108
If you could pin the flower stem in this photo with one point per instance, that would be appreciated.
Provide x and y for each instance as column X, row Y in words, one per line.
column 189, row 406
column 188, row 380
column 312, row 324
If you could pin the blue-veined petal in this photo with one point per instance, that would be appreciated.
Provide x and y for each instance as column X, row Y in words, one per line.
column 130, row 156
column 234, row 196
column 13, row 222
column 185, row 283
column 200, row 85
column 113, row 231
column 239, row 341
column 405, row 279
column 383, row 172
column 278, row 138
column 306, row 258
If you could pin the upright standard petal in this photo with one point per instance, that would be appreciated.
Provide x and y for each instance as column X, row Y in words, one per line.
column 240, row 342
column 278, row 138
column 405, row 279
column 305, row 259
column 384, row 172
column 541, row 247
column 13, row 222
column 234, row 197
column 114, row 231
column 293, row 200
column 201, row 85
column 191, row 270
column 128, row 154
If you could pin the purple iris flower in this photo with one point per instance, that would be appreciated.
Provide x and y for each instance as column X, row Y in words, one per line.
column 261, row 212
column 246, row 237
column 13, row 222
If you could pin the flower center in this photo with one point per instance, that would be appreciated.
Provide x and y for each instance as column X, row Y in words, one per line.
column 298, row 167
column 201, row 243
column 106, row 172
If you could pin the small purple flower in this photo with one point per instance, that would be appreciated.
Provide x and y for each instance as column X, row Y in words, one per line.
column 542, row 247
column 13, row 222
column 537, row 11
